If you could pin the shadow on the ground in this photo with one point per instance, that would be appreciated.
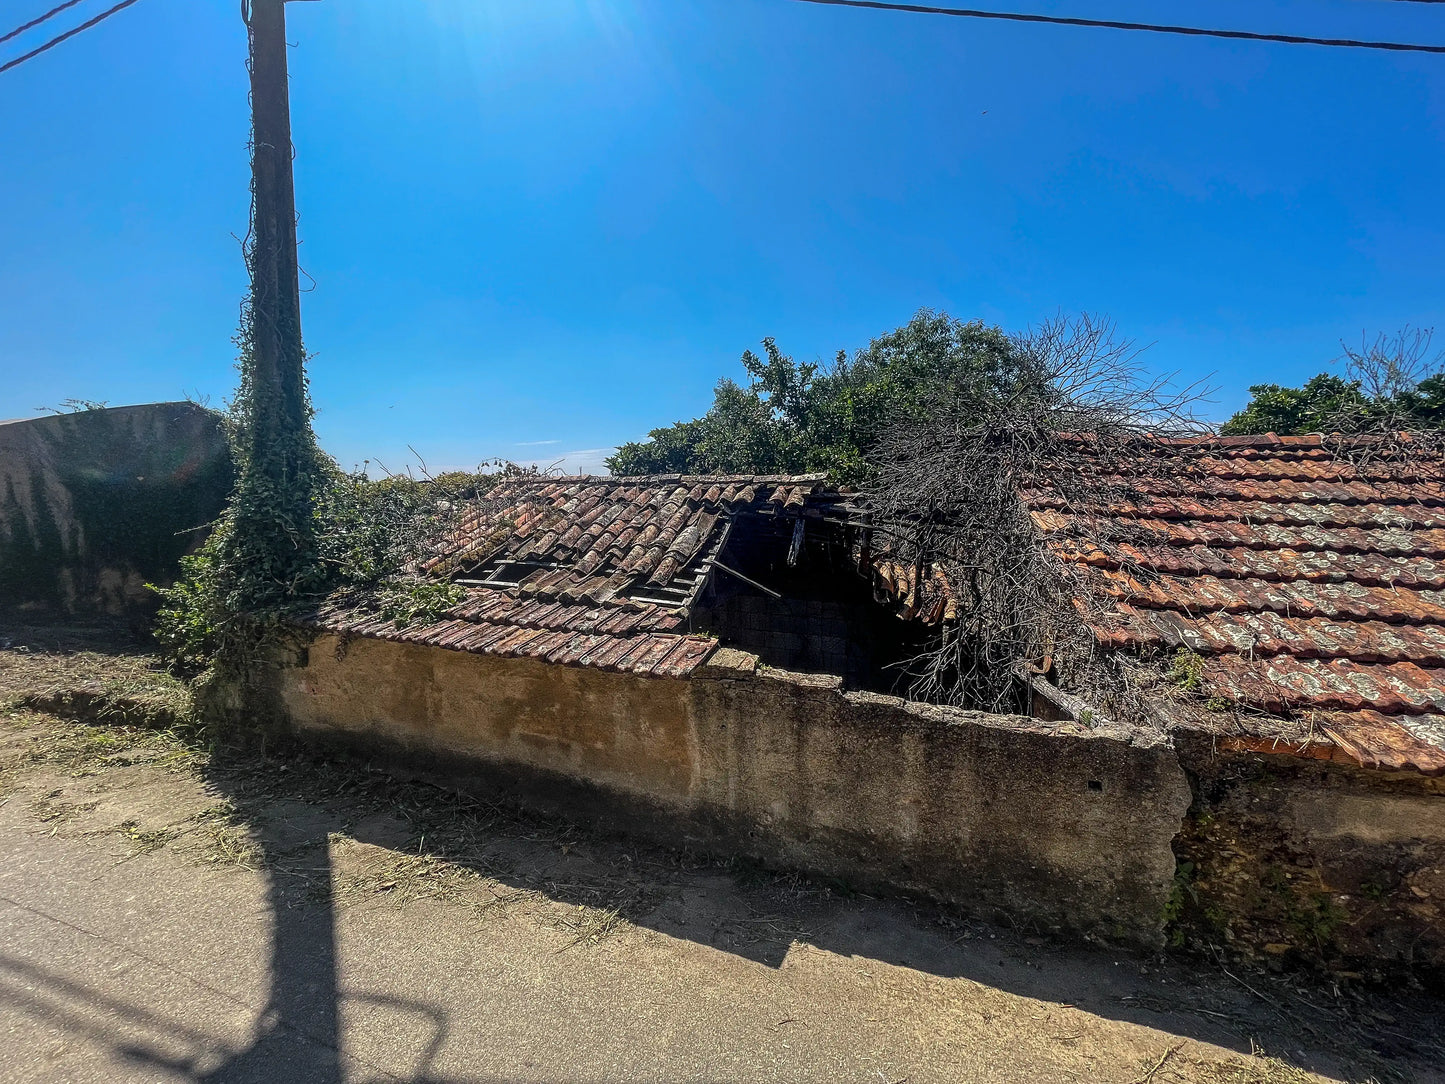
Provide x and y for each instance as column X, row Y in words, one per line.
column 293, row 802
column 56, row 634
column 745, row 910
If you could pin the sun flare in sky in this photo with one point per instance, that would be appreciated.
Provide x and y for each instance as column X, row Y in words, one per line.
column 564, row 220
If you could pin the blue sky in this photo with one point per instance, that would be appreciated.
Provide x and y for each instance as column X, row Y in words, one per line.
column 540, row 228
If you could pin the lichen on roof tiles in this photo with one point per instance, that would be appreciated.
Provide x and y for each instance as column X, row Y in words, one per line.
column 1310, row 582
column 576, row 549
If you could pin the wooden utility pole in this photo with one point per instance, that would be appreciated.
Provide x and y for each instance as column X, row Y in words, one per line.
column 278, row 372
column 273, row 514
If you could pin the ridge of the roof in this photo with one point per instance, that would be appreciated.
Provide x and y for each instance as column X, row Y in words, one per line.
column 1253, row 440
column 1275, row 440
column 636, row 479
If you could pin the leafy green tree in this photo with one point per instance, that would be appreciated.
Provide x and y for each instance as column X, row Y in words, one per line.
column 1427, row 401
column 1273, row 408
column 755, row 429
column 1393, row 384
column 802, row 417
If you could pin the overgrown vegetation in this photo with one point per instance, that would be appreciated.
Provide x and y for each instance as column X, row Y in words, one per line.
column 369, row 539
column 799, row 418
column 1391, row 383
column 1009, row 471
column 299, row 530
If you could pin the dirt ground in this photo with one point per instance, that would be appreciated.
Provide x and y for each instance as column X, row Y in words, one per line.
column 172, row 909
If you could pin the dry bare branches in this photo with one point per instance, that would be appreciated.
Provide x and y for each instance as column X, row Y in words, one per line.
column 1395, row 420
column 1069, row 423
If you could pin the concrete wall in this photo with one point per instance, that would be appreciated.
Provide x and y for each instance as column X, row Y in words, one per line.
column 1044, row 822
column 95, row 504
column 811, row 635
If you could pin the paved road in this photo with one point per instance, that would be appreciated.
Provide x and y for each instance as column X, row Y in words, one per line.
column 138, row 944
column 149, row 969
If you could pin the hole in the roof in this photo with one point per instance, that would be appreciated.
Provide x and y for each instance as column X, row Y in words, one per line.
column 1096, row 784
column 501, row 573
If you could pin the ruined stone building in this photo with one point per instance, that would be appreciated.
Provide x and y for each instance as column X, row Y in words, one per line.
column 709, row 661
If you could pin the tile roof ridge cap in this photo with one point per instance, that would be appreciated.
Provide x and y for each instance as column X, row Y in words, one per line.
column 1246, row 440
column 754, row 479
column 569, row 478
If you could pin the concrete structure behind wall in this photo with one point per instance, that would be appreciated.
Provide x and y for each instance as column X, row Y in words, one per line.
column 95, row 504
column 1049, row 823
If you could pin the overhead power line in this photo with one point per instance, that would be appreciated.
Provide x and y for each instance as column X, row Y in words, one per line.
column 37, row 21
column 1109, row 24
column 53, row 42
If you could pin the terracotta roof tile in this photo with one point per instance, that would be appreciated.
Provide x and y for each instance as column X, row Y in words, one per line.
column 1396, row 743
column 1286, row 684
column 1267, row 633
column 1194, row 512
column 1279, row 564
column 1313, row 587
column 590, row 542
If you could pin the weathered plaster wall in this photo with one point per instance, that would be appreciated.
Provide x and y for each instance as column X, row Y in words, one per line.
column 1045, row 822
column 1317, row 863
column 95, row 504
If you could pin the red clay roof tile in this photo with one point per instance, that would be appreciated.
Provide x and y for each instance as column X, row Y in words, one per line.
column 1310, row 581
column 590, row 541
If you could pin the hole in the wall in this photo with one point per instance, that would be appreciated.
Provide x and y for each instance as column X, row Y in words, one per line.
column 1096, row 784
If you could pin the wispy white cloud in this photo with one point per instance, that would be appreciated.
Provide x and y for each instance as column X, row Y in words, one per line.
column 534, row 443
column 581, row 461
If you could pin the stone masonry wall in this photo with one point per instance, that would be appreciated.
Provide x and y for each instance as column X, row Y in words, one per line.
column 1320, row 864
column 1049, row 823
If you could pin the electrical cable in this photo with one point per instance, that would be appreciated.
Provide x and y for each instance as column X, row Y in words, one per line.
column 1109, row 24
column 53, row 42
column 37, row 21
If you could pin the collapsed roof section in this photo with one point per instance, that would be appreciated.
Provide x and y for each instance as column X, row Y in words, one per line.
column 594, row 571
column 1302, row 577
